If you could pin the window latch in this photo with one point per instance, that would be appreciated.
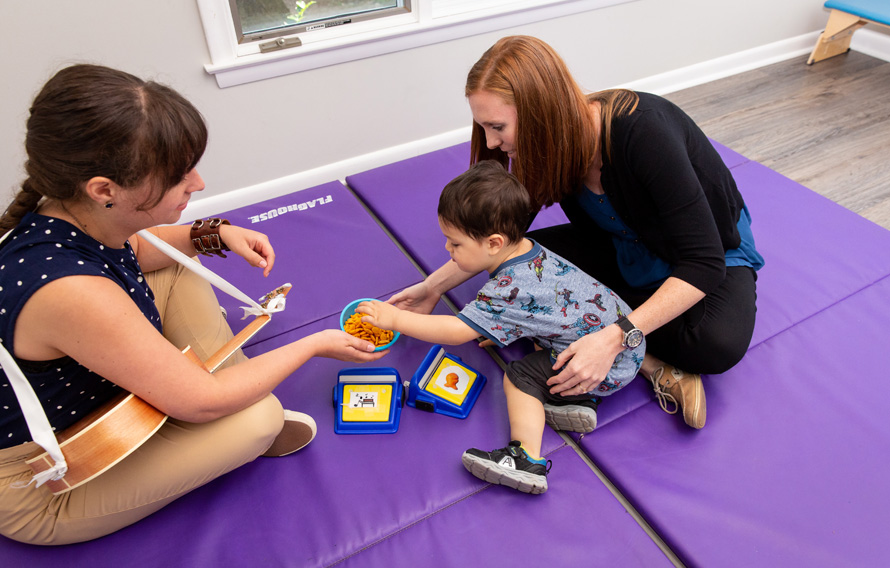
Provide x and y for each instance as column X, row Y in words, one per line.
column 280, row 43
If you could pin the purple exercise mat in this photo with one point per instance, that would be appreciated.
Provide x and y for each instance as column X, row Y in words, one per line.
column 576, row 523
column 324, row 241
column 790, row 469
column 407, row 207
column 347, row 492
column 730, row 157
column 327, row 502
column 817, row 253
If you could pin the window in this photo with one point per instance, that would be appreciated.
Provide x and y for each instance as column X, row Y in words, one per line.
column 250, row 40
column 258, row 20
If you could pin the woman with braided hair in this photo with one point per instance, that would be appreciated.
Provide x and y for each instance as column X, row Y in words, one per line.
column 89, row 309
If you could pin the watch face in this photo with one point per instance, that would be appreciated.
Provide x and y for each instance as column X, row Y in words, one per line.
column 633, row 338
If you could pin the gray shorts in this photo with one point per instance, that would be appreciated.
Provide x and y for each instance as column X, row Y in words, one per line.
column 530, row 375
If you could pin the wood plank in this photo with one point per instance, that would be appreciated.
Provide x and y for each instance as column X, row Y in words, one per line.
column 826, row 126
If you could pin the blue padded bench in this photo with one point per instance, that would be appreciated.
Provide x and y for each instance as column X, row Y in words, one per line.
column 845, row 18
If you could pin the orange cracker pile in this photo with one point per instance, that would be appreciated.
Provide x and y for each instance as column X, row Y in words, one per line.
column 355, row 326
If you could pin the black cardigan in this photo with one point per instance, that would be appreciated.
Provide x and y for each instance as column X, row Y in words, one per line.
column 669, row 184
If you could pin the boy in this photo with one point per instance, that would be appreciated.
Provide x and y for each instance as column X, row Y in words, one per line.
column 531, row 293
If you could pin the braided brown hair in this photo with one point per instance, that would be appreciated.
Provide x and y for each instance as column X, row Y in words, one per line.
column 90, row 120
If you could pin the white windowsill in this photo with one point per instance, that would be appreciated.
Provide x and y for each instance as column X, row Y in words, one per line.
column 233, row 68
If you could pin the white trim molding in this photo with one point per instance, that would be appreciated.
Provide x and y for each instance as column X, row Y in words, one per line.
column 200, row 208
column 871, row 43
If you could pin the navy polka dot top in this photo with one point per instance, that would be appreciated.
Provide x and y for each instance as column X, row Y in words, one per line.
column 39, row 250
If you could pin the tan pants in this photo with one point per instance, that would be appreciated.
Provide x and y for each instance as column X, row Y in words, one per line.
column 178, row 458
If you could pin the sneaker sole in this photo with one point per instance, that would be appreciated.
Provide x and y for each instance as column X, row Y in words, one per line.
column 299, row 429
column 570, row 418
column 696, row 415
column 491, row 472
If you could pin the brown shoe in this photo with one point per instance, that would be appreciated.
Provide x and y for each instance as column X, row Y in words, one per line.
column 299, row 429
column 681, row 390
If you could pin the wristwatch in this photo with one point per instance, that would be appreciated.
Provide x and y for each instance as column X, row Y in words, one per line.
column 633, row 337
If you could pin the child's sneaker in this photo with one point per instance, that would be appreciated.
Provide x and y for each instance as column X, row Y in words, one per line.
column 509, row 466
column 574, row 416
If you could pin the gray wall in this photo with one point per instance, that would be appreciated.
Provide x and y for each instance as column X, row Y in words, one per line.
column 276, row 128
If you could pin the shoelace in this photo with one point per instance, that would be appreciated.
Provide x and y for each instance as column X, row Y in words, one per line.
column 663, row 396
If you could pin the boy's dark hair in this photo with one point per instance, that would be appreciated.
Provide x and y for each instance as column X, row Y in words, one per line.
column 484, row 200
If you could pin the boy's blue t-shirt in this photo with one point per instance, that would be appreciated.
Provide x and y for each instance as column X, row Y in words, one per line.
column 544, row 297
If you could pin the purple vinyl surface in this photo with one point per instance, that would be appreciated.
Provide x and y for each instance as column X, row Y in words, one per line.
column 788, row 471
column 326, row 245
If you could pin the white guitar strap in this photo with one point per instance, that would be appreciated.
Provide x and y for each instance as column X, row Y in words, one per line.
column 254, row 309
column 38, row 424
column 35, row 417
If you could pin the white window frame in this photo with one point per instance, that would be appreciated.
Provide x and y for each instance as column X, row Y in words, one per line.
column 431, row 21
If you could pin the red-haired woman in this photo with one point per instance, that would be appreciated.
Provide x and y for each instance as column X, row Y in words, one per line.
column 654, row 214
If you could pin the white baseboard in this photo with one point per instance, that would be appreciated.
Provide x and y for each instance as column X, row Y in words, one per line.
column 726, row 66
column 213, row 205
column 869, row 42
column 874, row 44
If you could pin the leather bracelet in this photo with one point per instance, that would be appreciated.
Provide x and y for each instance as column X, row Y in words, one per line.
column 205, row 236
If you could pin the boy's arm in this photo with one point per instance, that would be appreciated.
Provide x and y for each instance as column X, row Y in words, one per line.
column 447, row 330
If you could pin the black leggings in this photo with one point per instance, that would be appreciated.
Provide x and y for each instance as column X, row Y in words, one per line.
column 710, row 337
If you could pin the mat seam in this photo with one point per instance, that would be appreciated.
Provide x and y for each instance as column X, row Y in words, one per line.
column 408, row 526
column 426, row 517
column 603, row 479
column 620, row 495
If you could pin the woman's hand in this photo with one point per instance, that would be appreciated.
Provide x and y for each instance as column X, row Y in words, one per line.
column 337, row 344
column 587, row 361
column 253, row 246
column 419, row 298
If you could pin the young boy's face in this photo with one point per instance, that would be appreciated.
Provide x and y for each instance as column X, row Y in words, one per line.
column 471, row 255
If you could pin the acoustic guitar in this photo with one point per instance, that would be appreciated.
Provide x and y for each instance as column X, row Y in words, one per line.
column 113, row 431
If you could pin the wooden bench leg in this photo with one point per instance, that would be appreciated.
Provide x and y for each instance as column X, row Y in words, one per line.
column 836, row 37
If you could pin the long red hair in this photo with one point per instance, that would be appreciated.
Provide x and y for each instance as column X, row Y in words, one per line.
column 555, row 136
column 554, row 139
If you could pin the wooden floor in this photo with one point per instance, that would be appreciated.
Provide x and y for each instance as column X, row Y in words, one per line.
column 826, row 126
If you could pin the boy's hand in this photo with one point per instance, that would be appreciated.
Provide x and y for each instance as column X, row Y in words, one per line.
column 418, row 298
column 379, row 314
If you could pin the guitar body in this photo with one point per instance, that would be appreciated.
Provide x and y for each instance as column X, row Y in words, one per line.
column 116, row 429
column 100, row 440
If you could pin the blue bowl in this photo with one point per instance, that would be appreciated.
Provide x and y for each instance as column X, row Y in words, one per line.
column 350, row 309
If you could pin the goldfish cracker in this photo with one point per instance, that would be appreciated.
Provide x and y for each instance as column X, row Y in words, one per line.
column 355, row 326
